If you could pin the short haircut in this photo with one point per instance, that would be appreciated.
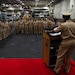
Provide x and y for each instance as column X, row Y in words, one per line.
column 66, row 17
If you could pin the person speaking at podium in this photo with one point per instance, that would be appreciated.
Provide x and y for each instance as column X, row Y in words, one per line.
column 67, row 45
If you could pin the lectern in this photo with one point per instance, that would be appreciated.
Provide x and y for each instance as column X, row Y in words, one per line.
column 51, row 42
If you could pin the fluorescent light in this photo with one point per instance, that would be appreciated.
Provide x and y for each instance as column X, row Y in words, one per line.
column 37, row 0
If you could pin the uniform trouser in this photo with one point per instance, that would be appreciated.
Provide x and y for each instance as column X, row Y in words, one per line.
column 35, row 29
column 1, row 36
column 22, row 29
column 26, row 30
column 9, row 31
column 65, row 51
column 40, row 30
column 4, row 33
column 31, row 29
column 17, row 29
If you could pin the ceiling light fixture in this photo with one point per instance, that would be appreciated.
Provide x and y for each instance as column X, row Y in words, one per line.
column 36, row 0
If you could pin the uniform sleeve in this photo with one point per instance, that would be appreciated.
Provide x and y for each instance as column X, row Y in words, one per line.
column 60, row 28
column 51, row 22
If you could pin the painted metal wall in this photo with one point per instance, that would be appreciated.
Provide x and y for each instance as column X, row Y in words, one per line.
column 65, row 6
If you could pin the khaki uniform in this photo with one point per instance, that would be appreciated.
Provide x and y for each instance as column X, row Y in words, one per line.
column 22, row 27
column 1, row 31
column 45, row 23
column 40, row 27
column 4, row 30
column 67, row 45
column 9, row 28
column 31, row 27
column 26, row 27
column 51, row 24
column 16, row 27
column 35, row 27
column 6, row 24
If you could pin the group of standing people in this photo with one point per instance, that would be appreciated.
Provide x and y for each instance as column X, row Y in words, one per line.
column 37, row 25
column 5, row 29
column 24, row 26
column 67, row 29
column 33, row 25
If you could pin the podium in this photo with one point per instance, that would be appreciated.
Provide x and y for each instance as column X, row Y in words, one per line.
column 51, row 42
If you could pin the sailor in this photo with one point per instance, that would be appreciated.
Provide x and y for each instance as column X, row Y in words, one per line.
column 67, row 45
